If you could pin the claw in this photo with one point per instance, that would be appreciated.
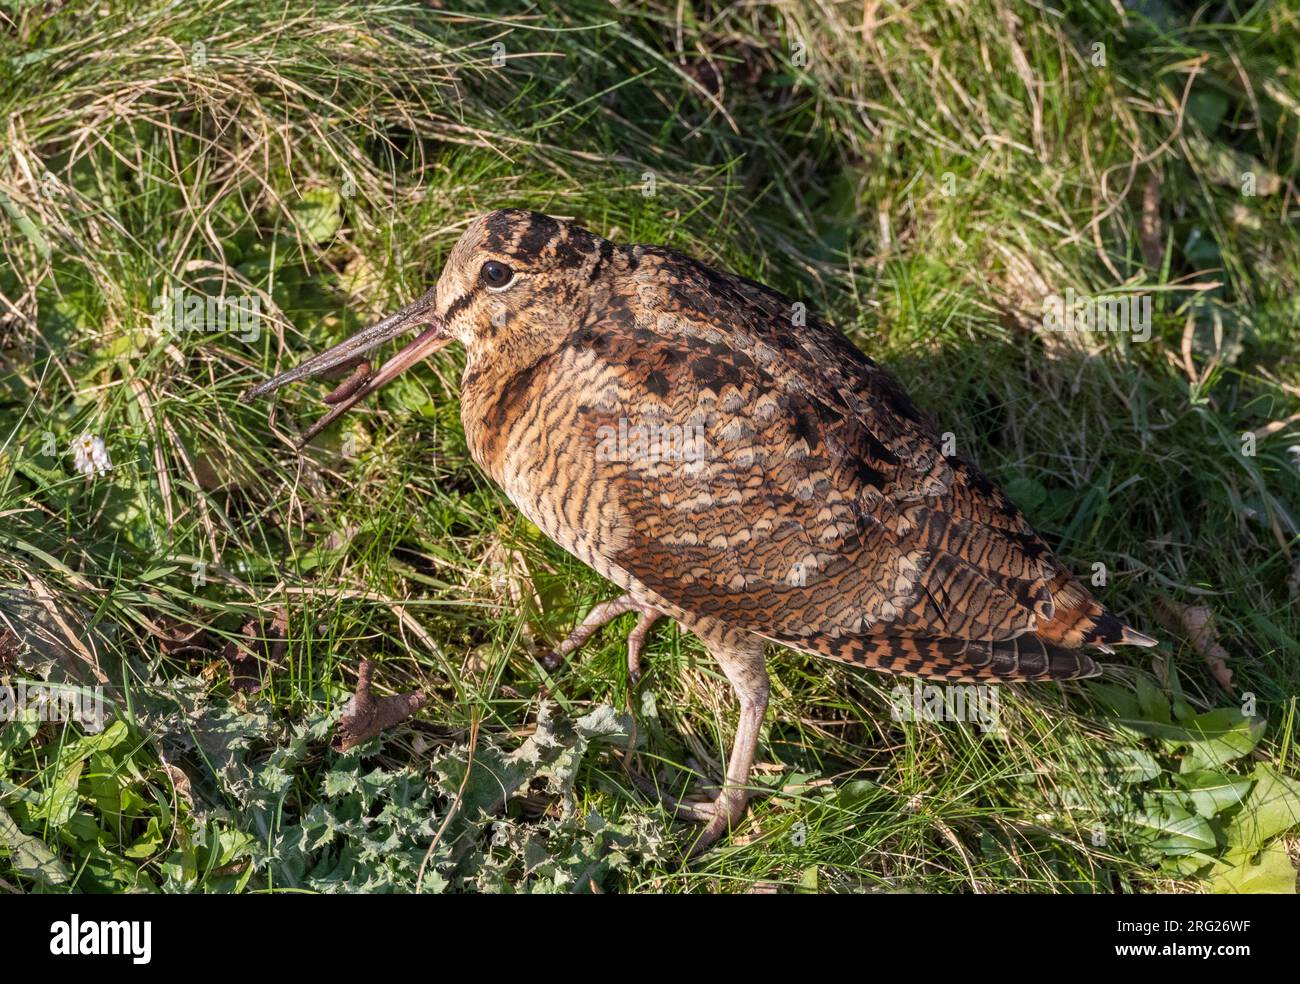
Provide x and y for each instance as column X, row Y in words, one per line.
column 601, row 615
column 718, row 815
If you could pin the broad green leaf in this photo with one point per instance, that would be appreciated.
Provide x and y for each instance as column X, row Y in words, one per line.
column 1206, row 741
column 18, row 732
column 82, row 829
column 1213, row 739
column 1026, row 493
column 147, row 844
column 1152, row 701
column 1212, row 792
column 318, row 214
column 1130, row 765
column 29, row 855
column 1272, row 874
column 1187, row 865
column 1171, row 829
column 854, row 794
column 808, row 883
column 1273, row 807
column 83, row 748
column 1120, row 701
column 61, row 801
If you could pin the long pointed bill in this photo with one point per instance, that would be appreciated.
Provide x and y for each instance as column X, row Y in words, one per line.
column 348, row 353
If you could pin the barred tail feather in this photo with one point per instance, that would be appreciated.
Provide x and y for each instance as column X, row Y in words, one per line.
column 1026, row 657
column 1080, row 620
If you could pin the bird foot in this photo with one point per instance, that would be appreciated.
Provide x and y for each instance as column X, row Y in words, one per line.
column 718, row 814
column 601, row 615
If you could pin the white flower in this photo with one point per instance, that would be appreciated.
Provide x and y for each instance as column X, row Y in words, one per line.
column 90, row 456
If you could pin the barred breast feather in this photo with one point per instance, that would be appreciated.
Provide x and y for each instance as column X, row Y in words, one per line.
column 730, row 464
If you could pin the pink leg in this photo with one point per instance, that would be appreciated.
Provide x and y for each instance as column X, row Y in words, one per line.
column 747, row 671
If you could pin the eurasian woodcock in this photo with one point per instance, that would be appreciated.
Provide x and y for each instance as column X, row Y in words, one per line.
column 731, row 465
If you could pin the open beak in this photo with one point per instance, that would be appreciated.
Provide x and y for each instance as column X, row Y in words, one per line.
column 348, row 354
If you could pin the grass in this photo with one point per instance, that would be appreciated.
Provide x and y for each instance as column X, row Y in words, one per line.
column 921, row 174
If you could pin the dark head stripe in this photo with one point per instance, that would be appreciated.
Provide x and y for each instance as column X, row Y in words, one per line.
column 541, row 230
column 460, row 303
column 526, row 236
column 520, row 233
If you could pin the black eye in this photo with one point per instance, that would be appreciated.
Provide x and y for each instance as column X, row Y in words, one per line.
column 495, row 274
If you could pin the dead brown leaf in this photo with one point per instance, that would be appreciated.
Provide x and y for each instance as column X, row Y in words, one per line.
column 248, row 662
column 1196, row 623
column 183, row 640
column 367, row 715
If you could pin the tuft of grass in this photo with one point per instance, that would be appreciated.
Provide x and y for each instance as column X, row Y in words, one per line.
column 923, row 175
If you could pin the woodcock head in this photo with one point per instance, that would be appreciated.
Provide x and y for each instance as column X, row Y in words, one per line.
column 514, row 282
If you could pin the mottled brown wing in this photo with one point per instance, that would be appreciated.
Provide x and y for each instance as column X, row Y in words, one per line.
column 771, row 488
